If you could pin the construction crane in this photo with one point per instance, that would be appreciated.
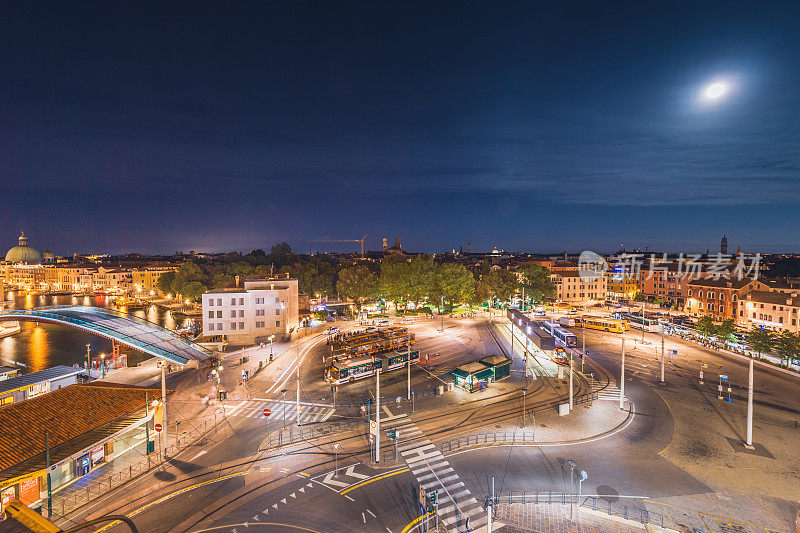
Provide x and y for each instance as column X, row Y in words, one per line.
column 361, row 240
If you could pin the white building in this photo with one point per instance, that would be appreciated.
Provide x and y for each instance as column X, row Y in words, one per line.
column 249, row 314
column 778, row 311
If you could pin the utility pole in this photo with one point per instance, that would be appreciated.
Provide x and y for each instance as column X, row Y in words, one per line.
column 643, row 321
column 442, row 310
column 378, row 415
column 571, row 485
column 89, row 361
column 571, row 395
column 408, row 344
column 622, row 373
column 49, row 486
column 583, row 338
column 662, row 353
column 164, row 404
column 749, row 443
column 297, row 408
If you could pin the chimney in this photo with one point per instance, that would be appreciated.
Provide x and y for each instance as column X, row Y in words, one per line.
column 385, row 244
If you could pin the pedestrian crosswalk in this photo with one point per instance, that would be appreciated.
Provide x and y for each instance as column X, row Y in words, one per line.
column 610, row 392
column 279, row 410
column 458, row 509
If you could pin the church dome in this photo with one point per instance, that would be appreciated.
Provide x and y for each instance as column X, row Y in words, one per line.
column 48, row 256
column 23, row 253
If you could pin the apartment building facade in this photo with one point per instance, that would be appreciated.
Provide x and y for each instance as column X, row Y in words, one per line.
column 253, row 312
column 775, row 310
column 718, row 298
column 574, row 290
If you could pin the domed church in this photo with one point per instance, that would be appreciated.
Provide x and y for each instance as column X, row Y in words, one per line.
column 24, row 253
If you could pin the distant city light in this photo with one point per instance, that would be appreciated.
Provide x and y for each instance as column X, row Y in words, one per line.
column 716, row 90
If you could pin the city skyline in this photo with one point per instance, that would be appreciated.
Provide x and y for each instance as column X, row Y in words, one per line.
column 515, row 126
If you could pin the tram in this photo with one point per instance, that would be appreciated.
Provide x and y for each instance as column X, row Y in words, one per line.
column 355, row 368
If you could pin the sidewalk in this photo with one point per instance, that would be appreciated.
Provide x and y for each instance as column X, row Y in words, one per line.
column 554, row 518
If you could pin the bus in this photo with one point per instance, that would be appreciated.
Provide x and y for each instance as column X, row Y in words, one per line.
column 636, row 321
column 604, row 324
column 345, row 371
column 562, row 336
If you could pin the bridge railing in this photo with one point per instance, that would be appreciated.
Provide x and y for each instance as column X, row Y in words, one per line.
column 133, row 318
column 98, row 329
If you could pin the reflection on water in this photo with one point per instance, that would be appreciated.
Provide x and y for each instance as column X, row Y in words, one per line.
column 39, row 346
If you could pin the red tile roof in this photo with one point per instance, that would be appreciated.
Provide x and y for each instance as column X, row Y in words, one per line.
column 71, row 416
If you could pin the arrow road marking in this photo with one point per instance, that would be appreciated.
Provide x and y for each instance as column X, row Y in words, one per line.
column 330, row 481
column 352, row 473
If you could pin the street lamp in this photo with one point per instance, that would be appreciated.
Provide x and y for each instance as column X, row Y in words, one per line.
column 584, row 477
column 271, row 338
column 571, row 485
column 284, row 407
column 103, row 364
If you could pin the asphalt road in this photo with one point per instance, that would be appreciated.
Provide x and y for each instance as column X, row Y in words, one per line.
column 675, row 457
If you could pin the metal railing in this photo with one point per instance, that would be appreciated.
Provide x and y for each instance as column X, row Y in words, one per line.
column 588, row 502
column 521, row 436
column 86, row 489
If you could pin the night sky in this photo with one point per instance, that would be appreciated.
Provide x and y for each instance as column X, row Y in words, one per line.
column 155, row 128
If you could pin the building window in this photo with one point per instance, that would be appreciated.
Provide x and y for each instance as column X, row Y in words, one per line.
column 233, row 325
column 780, row 320
column 241, row 313
column 277, row 311
column 233, row 301
column 241, row 301
column 211, row 301
column 277, row 323
column 277, row 300
column 241, row 325
column 219, row 301
column 211, row 314
column 233, row 314
column 219, row 314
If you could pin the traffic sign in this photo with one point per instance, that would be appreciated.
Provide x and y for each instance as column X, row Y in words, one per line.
column 158, row 427
column 299, row 408
column 373, row 427
column 723, row 377
column 267, row 411
column 336, row 445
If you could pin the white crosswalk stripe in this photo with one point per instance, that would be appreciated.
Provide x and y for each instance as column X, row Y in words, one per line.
column 309, row 413
column 433, row 472
column 610, row 392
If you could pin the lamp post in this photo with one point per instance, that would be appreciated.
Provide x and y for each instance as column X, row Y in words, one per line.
column 523, row 407
column 583, row 339
column 584, row 477
column 571, row 485
column 164, row 404
column 442, row 312
column 284, row 407
column 408, row 356
column 89, row 361
column 622, row 373
column 749, row 443
column 662, row 352
column 271, row 339
column 103, row 365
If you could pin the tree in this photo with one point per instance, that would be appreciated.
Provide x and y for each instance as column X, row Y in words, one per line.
column 455, row 283
column 394, row 280
column 787, row 346
column 725, row 331
column 536, row 282
column 165, row 281
column 221, row 280
column 760, row 340
column 187, row 273
column 705, row 326
column 502, row 284
column 193, row 290
column 421, row 280
column 357, row 283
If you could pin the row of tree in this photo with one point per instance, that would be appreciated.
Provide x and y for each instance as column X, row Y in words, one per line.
column 423, row 281
column 762, row 341
column 419, row 281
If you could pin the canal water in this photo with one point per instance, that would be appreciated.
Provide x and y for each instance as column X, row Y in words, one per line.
column 39, row 346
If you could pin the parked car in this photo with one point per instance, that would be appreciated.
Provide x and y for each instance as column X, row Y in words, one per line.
column 384, row 322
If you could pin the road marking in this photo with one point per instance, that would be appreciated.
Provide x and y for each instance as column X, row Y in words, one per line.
column 328, row 480
column 670, row 413
column 372, row 480
column 198, row 455
column 172, row 495
column 371, row 513
column 363, row 518
column 349, row 498
column 387, row 411
column 414, row 522
column 352, row 473
column 298, row 528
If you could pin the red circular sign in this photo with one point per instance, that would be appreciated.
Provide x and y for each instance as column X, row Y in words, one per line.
column 267, row 411
column 158, row 427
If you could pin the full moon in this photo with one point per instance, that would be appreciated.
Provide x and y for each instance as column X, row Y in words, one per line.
column 715, row 90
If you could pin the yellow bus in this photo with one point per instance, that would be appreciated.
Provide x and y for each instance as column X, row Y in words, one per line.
column 605, row 324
